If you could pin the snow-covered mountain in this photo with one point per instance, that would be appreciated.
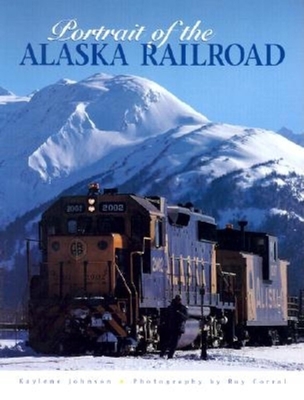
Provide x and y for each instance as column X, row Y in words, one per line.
column 65, row 128
column 129, row 132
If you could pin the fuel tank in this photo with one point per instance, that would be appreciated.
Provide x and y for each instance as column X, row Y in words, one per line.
column 192, row 330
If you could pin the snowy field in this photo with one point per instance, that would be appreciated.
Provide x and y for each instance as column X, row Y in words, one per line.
column 277, row 368
column 15, row 355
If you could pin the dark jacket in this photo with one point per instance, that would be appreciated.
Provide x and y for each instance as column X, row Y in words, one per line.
column 177, row 316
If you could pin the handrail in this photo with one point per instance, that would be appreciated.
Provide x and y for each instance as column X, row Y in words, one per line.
column 128, row 290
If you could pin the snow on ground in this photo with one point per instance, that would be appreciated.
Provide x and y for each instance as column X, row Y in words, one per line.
column 15, row 355
column 276, row 368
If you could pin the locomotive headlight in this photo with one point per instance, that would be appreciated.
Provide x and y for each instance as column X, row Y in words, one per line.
column 91, row 204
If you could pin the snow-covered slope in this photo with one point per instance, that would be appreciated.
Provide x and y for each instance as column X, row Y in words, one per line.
column 9, row 106
column 190, row 155
column 119, row 126
column 68, row 126
column 98, row 114
column 129, row 132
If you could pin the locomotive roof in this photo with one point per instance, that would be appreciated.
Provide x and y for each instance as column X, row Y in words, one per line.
column 199, row 215
column 146, row 203
column 235, row 231
column 153, row 204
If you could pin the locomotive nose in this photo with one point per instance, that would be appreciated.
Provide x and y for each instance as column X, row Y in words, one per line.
column 83, row 265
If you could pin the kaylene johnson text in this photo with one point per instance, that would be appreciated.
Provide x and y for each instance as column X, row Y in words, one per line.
column 177, row 45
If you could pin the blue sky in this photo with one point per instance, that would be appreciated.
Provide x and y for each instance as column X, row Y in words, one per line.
column 256, row 96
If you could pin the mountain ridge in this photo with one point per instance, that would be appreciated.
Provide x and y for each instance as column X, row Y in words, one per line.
column 129, row 132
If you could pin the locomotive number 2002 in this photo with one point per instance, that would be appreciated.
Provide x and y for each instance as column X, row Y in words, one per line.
column 109, row 207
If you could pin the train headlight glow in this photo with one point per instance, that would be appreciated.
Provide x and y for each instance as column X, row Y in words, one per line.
column 91, row 203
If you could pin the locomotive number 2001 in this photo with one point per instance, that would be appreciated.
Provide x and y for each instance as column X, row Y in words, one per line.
column 74, row 208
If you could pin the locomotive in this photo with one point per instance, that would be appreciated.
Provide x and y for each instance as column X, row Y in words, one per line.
column 112, row 262
column 260, row 287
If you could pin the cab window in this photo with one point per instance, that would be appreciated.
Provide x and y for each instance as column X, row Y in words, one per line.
column 110, row 224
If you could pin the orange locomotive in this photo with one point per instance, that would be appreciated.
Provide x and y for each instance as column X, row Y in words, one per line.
column 111, row 263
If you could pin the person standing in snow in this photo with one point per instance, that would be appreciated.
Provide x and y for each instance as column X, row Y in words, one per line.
column 177, row 314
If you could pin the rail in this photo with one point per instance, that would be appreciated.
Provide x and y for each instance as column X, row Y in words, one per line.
column 12, row 326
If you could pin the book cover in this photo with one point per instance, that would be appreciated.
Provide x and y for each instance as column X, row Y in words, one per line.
column 161, row 70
